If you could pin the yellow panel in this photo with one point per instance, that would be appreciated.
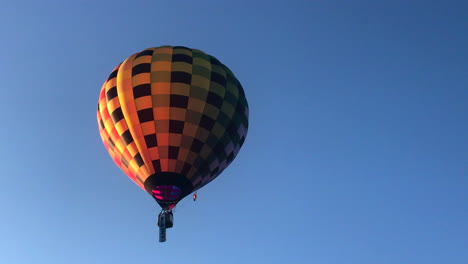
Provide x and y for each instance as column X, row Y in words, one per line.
column 182, row 66
column 202, row 62
column 186, row 141
column 142, row 78
column 179, row 166
column 171, row 165
column 142, row 59
column 218, row 130
column 113, row 104
column 125, row 91
column 196, row 105
column 161, row 66
column 164, row 166
column 162, row 126
column 120, row 145
column 233, row 89
column 190, row 129
column 178, row 113
column 183, row 154
column 191, row 157
column 154, row 153
column 108, row 124
column 102, row 104
column 160, row 87
column 132, row 149
column 127, row 155
column 161, row 76
column 167, row 50
column 200, row 81
column 143, row 102
column 133, row 165
column 182, row 51
column 191, row 173
column 161, row 100
column 174, row 139
column 148, row 128
column 202, row 134
column 218, row 89
column 111, row 83
column 218, row 69
column 211, row 111
column 163, row 139
column 104, row 136
column 161, row 113
column 180, row 88
column 205, row 152
column 143, row 174
column 121, row 127
column 228, row 109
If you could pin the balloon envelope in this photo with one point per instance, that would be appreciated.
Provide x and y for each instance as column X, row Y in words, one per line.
column 172, row 118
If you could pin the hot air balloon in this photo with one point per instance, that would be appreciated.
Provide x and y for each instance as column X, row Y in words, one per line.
column 172, row 118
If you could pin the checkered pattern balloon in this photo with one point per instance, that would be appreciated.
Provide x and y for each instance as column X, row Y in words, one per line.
column 172, row 118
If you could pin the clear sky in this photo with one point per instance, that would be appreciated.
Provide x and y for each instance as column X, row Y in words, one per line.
column 357, row 150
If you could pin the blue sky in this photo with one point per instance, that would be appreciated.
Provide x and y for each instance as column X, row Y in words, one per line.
column 356, row 152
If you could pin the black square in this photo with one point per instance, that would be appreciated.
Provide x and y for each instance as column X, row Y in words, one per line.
column 230, row 157
column 218, row 78
column 200, row 164
column 229, row 97
column 151, row 141
column 242, row 140
column 181, row 77
column 182, row 47
column 185, row 169
column 111, row 143
column 219, row 149
column 196, row 145
column 176, row 126
column 138, row 160
column 141, row 90
column 182, row 58
column 206, row 122
column 240, row 108
column 156, row 166
column 127, row 137
column 198, row 93
column 173, row 152
column 145, row 115
column 214, row 99
column 212, row 140
column 231, row 129
column 177, row 100
column 112, row 93
column 204, row 170
column 223, row 119
column 192, row 117
column 145, row 53
column 117, row 115
column 213, row 172
column 101, row 124
column 141, row 68
column 231, row 78
column 162, row 126
column 113, row 74
column 124, row 161
column 215, row 61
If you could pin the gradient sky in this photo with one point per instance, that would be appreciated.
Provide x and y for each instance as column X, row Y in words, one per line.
column 356, row 153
